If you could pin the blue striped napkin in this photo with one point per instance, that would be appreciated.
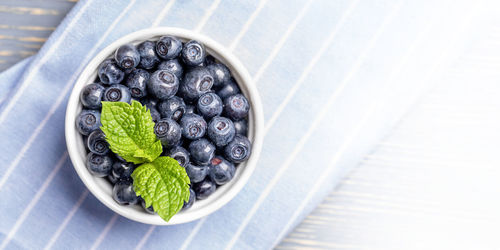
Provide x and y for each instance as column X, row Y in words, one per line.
column 334, row 76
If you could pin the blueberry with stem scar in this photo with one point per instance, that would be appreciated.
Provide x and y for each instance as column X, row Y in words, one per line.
column 88, row 121
column 162, row 84
column 127, row 56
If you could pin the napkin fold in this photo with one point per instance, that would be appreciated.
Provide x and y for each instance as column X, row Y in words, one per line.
column 334, row 77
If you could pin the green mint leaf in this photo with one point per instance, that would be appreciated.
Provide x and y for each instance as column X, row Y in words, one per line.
column 129, row 130
column 164, row 184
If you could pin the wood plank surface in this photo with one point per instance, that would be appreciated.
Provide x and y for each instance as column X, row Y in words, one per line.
column 25, row 26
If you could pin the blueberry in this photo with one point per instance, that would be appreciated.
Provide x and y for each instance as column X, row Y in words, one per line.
column 193, row 126
column 119, row 157
column 122, row 169
column 209, row 59
column 147, row 52
column 168, row 132
column 196, row 173
column 96, row 142
column 220, row 73
column 228, row 89
column 192, row 197
column 236, row 106
column 151, row 105
column 180, row 154
column 193, row 53
column 196, row 82
column 88, row 121
column 136, row 82
column 155, row 114
column 149, row 209
column 91, row 96
column 99, row 165
column 241, row 127
column 209, row 105
column 85, row 138
column 127, row 56
column 117, row 93
column 179, row 143
column 123, row 192
column 162, row 84
column 221, row 171
column 149, row 102
column 204, row 189
column 238, row 150
column 174, row 107
column 190, row 109
column 168, row 47
column 127, row 72
column 221, row 131
column 172, row 65
column 202, row 151
column 109, row 72
column 112, row 179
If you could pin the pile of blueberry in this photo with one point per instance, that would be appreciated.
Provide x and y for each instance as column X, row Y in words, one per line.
column 199, row 113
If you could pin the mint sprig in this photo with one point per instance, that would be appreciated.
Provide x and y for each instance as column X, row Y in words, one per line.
column 160, row 181
column 129, row 130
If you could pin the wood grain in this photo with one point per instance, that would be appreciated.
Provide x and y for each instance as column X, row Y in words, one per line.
column 28, row 11
column 25, row 26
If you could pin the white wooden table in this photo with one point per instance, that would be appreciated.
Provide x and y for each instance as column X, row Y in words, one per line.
column 432, row 183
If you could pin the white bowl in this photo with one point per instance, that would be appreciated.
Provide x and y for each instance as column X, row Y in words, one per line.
column 101, row 188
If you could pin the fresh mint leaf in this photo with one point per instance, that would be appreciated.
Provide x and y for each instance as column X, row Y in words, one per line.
column 164, row 184
column 129, row 130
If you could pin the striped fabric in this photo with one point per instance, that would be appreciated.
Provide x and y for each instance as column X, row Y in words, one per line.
column 334, row 76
